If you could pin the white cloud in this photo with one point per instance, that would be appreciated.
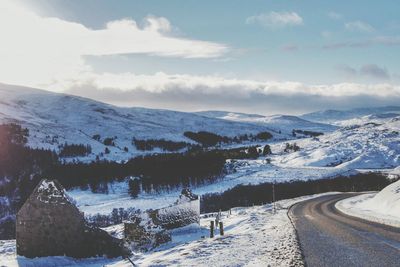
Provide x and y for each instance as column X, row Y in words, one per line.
column 359, row 26
column 37, row 50
column 49, row 53
column 276, row 19
column 158, row 24
column 189, row 92
column 161, row 82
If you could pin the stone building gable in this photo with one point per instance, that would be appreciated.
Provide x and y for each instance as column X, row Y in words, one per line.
column 49, row 224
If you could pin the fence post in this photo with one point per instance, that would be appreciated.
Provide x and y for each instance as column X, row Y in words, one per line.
column 221, row 228
column 273, row 197
column 211, row 229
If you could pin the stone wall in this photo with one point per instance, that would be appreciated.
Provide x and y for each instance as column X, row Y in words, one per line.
column 148, row 230
column 142, row 234
column 178, row 215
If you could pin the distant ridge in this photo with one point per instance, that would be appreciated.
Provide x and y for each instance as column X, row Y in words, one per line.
column 332, row 115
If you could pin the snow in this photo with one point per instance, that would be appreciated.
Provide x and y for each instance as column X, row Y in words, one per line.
column 49, row 192
column 395, row 173
column 353, row 140
column 368, row 138
column 337, row 116
column 247, row 172
column 382, row 207
column 254, row 236
column 362, row 146
column 9, row 258
column 345, row 151
column 54, row 119
column 283, row 123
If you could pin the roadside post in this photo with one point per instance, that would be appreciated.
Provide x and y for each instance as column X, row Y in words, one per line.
column 273, row 197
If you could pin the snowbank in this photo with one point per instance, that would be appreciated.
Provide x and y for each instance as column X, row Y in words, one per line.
column 382, row 207
column 395, row 173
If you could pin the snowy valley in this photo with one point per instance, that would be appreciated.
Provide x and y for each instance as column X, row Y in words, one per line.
column 311, row 147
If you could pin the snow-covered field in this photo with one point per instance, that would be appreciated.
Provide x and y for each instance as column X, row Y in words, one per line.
column 247, row 172
column 382, row 207
column 254, row 236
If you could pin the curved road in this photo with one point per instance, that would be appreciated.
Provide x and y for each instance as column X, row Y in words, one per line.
column 330, row 238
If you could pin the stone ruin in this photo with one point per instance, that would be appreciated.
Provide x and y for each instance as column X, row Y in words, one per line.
column 149, row 229
column 49, row 224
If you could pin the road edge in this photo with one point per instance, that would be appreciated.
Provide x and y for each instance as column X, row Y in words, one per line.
column 296, row 233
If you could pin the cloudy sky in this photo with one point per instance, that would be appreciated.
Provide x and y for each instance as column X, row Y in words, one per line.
column 251, row 56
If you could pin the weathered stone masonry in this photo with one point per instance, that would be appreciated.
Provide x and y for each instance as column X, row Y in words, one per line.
column 49, row 224
column 148, row 230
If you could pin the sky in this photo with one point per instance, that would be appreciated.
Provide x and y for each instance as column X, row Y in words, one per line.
column 255, row 56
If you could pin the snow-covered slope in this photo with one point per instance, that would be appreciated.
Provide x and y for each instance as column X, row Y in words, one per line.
column 283, row 123
column 54, row 119
column 387, row 201
column 336, row 116
column 383, row 207
column 372, row 145
column 373, row 118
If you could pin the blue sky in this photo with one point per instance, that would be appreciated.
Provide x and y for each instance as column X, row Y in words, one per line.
column 252, row 56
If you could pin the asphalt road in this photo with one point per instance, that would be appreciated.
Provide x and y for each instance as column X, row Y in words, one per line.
column 330, row 238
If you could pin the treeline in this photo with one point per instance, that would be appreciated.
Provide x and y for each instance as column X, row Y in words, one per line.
column 247, row 195
column 173, row 170
column 115, row 217
column 166, row 145
column 208, row 139
column 305, row 132
column 21, row 168
column 74, row 150
column 20, row 165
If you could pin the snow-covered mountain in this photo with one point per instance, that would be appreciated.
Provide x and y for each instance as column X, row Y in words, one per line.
column 368, row 141
column 337, row 116
column 283, row 123
column 54, row 119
